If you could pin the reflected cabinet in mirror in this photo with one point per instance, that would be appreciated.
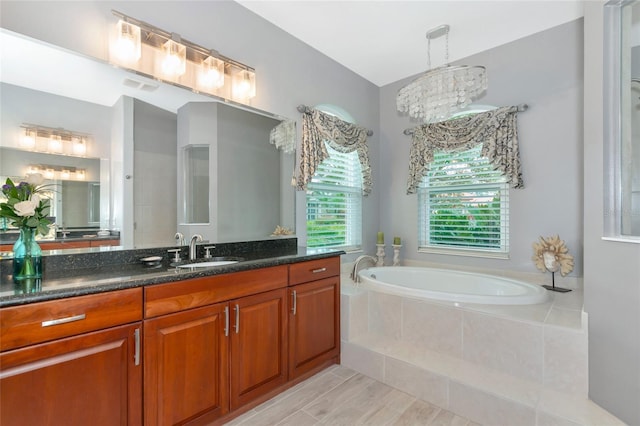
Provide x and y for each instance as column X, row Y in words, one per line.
column 158, row 158
column 622, row 120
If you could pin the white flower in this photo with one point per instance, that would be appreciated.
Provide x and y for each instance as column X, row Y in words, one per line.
column 36, row 199
column 35, row 179
column 25, row 208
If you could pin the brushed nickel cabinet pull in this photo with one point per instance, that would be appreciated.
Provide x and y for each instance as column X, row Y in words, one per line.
column 63, row 320
column 136, row 337
column 226, row 321
column 237, row 326
column 295, row 301
column 316, row 271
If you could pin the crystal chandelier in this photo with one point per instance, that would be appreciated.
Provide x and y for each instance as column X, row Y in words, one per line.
column 440, row 92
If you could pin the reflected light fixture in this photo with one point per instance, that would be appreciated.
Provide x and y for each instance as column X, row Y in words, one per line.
column 440, row 92
column 28, row 140
column 55, row 143
column 54, row 140
column 79, row 146
column 158, row 54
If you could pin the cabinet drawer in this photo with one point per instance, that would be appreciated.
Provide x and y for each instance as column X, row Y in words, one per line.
column 313, row 270
column 44, row 321
column 167, row 298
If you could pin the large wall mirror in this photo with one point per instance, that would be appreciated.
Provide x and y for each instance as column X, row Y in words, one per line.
column 132, row 180
column 622, row 120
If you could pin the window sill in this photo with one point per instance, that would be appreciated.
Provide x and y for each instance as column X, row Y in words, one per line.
column 463, row 252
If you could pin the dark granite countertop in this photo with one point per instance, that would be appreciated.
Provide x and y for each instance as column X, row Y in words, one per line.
column 97, row 276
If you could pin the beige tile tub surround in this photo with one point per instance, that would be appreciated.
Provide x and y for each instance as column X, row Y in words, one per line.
column 496, row 365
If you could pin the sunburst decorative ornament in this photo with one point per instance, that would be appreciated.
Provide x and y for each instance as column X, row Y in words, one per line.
column 551, row 254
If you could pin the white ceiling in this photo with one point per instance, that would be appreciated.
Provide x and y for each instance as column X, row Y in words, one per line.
column 385, row 41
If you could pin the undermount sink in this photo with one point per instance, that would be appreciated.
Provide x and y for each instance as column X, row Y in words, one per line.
column 217, row 261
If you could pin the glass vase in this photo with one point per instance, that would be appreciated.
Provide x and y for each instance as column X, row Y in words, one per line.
column 27, row 257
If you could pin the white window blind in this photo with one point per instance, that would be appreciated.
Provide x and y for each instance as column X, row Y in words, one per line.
column 464, row 206
column 334, row 203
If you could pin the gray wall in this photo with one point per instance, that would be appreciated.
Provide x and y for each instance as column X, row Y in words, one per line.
column 155, row 164
column 246, row 186
column 288, row 71
column 612, row 269
column 544, row 71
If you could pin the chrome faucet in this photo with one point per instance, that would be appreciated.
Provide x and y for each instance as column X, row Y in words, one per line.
column 179, row 238
column 354, row 271
column 192, row 246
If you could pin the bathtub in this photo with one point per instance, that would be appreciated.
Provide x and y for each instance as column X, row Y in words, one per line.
column 451, row 285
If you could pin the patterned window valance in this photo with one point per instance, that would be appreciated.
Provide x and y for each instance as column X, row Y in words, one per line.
column 496, row 130
column 318, row 127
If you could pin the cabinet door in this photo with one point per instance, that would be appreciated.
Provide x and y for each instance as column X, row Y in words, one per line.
column 186, row 366
column 91, row 379
column 258, row 345
column 314, row 325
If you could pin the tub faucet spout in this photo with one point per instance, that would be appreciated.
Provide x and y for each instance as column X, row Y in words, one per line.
column 192, row 246
column 354, row 271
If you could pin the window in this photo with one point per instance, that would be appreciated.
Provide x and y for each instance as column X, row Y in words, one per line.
column 464, row 206
column 334, row 203
column 334, row 197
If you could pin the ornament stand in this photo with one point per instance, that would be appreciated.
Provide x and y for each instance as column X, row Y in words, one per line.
column 380, row 254
column 396, row 254
column 553, row 287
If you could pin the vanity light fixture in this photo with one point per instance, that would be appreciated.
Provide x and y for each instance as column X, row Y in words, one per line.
column 442, row 91
column 127, row 43
column 211, row 75
column 168, row 57
column 174, row 60
column 51, row 140
column 244, row 85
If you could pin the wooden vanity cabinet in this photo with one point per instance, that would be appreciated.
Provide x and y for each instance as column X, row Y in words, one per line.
column 314, row 315
column 70, row 362
column 186, row 373
column 258, row 346
column 213, row 344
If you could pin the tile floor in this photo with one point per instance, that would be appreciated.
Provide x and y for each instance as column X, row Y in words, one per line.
column 340, row 396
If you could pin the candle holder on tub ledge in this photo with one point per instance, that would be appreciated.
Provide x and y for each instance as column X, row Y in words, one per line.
column 380, row 254
column 551, row 254
column 396, row 251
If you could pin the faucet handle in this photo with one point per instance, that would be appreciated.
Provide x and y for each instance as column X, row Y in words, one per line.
column 176, row 254
column 207, row 253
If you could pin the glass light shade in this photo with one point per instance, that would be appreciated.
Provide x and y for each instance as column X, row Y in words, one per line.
column 33, row 169
column 243, row 85
column 440, row 92
column 79, row 146
column 28, row 139
column 49, row 173
column 126, row 47
column 211, row 74
column 55, row 143
column 65, row 174
column 80, row 174
column 174, row 62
